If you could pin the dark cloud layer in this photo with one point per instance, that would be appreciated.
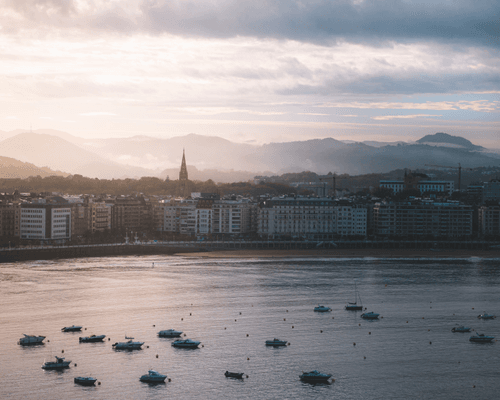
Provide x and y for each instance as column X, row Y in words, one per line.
column 318, row 21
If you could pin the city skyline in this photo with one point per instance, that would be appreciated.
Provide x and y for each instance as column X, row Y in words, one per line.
column 255, row 73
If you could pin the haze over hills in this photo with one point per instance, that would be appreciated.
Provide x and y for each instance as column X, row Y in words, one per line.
column 12, row 168
column 221, row 160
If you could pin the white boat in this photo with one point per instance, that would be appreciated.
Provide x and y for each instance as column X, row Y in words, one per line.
column 370, row 315
column 130, row 345
column 315, row 376
column 29, row 340
column 92, row 339
column 58, row 364
column 322, row 308
column 187, row 343
column 153, row 377
column 276, row 342
column 85, row 380
column 481, row 338
column 461, row 329
column 73, row 328
column 169, row 333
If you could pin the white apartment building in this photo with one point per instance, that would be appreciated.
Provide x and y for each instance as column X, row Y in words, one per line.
column 45, row 222
column 423, row 186
column 100, row 216
column 232, row 216
column 321, row 218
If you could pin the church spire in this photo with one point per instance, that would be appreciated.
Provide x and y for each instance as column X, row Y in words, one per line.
column 183, row 173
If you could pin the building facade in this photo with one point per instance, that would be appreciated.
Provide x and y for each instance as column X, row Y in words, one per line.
column 46, row 222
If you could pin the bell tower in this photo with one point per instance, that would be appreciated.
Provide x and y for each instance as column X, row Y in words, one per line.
column 183, row 173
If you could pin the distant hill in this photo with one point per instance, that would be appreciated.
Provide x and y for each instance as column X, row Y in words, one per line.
column 443, row 139
column 11, row 168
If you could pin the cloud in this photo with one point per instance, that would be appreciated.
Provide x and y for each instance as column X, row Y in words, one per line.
column 476, row 105
column 315, row 21
column 97, row 114
column 389, row 117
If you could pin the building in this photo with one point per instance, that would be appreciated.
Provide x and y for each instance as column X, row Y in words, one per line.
column 183, row 173
column 10, row 213
column 232, row 216
column 46, row 222
column 131, row 214
column 423, row 186
column 489, row 220
column 100, row 213
column 491, row 190
column 411, row 219
column 320, row 218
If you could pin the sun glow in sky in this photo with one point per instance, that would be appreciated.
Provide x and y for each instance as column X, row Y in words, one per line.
column 260, row 71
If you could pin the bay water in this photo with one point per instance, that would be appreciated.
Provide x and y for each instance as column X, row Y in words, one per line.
column 233, row 306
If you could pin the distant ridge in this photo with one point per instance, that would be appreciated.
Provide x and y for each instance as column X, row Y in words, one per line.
column 441, row 138
column 10, row 168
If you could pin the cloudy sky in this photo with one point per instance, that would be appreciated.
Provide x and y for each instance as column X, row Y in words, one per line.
column 252, row 71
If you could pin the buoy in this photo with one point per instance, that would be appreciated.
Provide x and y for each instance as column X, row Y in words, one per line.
column 234, row 320
column 75, row 364
column 473, row 308
column 247, row 334
column 85, row 328
column 62, row 351
column 182, row 319
column 190, row 314
column 246, row 376
column 423, row 318
column 202, row 345
column 431, row 307
column 354, row 344
column 286, row 310
column 191, row 303
column 240, row 313
column 157, row 356
column 381, row 317
column 284, row 319
column 473, row 386
column 184, row 335
column 406, row 321
column 386, row 285
column 248, row 358
column 320, row 331
column 147, row 347
column 332, row 318
column 430, row 342
column 428, row 330
column 364, row 358
column 170, row 379
column 98, row 383
column 288, row 344
column 48, row 340
column 369, row 333
column 109, row 339
column 225, row 328
column 292, row 326
column 359, row 324
column 153, row 325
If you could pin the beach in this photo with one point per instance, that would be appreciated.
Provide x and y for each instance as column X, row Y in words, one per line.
column 346, row 253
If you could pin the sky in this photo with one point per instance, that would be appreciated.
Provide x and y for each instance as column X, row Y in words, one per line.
column 252, row 71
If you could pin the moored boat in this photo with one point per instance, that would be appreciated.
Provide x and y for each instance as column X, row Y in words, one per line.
column 29, row 340
column 85, row 380
column 130, row 345
column 461, row 329
column 481, row 338
column 355, row 306
column 153, row 377
column 321, row 308
column 58, row 364
column 73, row 328
column 276, row 342
column 169, row 333
column 315, row 376
column 486, row 316
column 187, row 343
column 237, row 375
column 92, row 338
column 370, row 315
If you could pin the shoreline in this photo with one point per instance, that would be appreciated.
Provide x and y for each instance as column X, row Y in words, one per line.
column 344, row 253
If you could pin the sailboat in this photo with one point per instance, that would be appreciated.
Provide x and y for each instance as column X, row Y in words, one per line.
column 355, row 306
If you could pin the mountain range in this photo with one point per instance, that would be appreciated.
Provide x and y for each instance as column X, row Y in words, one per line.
column 211, row 157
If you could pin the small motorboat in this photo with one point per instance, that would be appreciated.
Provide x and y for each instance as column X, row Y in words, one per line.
column 130, row 345
column 92, row 339
column 314, row 377
column 276, row 342
column 29, row 340
column 58, row 364
column 486, row 316
column 370, row 315
column 187, row 344
column 169, row 333
column 85, row 380
column 322, row 308
column 237, row 375
column 481, row 338
column 72, row 328
column 460, row 328
column 153, row 377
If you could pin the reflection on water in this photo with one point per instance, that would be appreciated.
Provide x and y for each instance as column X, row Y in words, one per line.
column 233, row 307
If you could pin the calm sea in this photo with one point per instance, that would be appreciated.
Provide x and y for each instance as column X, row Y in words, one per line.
column 233, row 306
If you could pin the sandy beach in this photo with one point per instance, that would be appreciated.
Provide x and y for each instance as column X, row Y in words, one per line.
column 346, row 253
